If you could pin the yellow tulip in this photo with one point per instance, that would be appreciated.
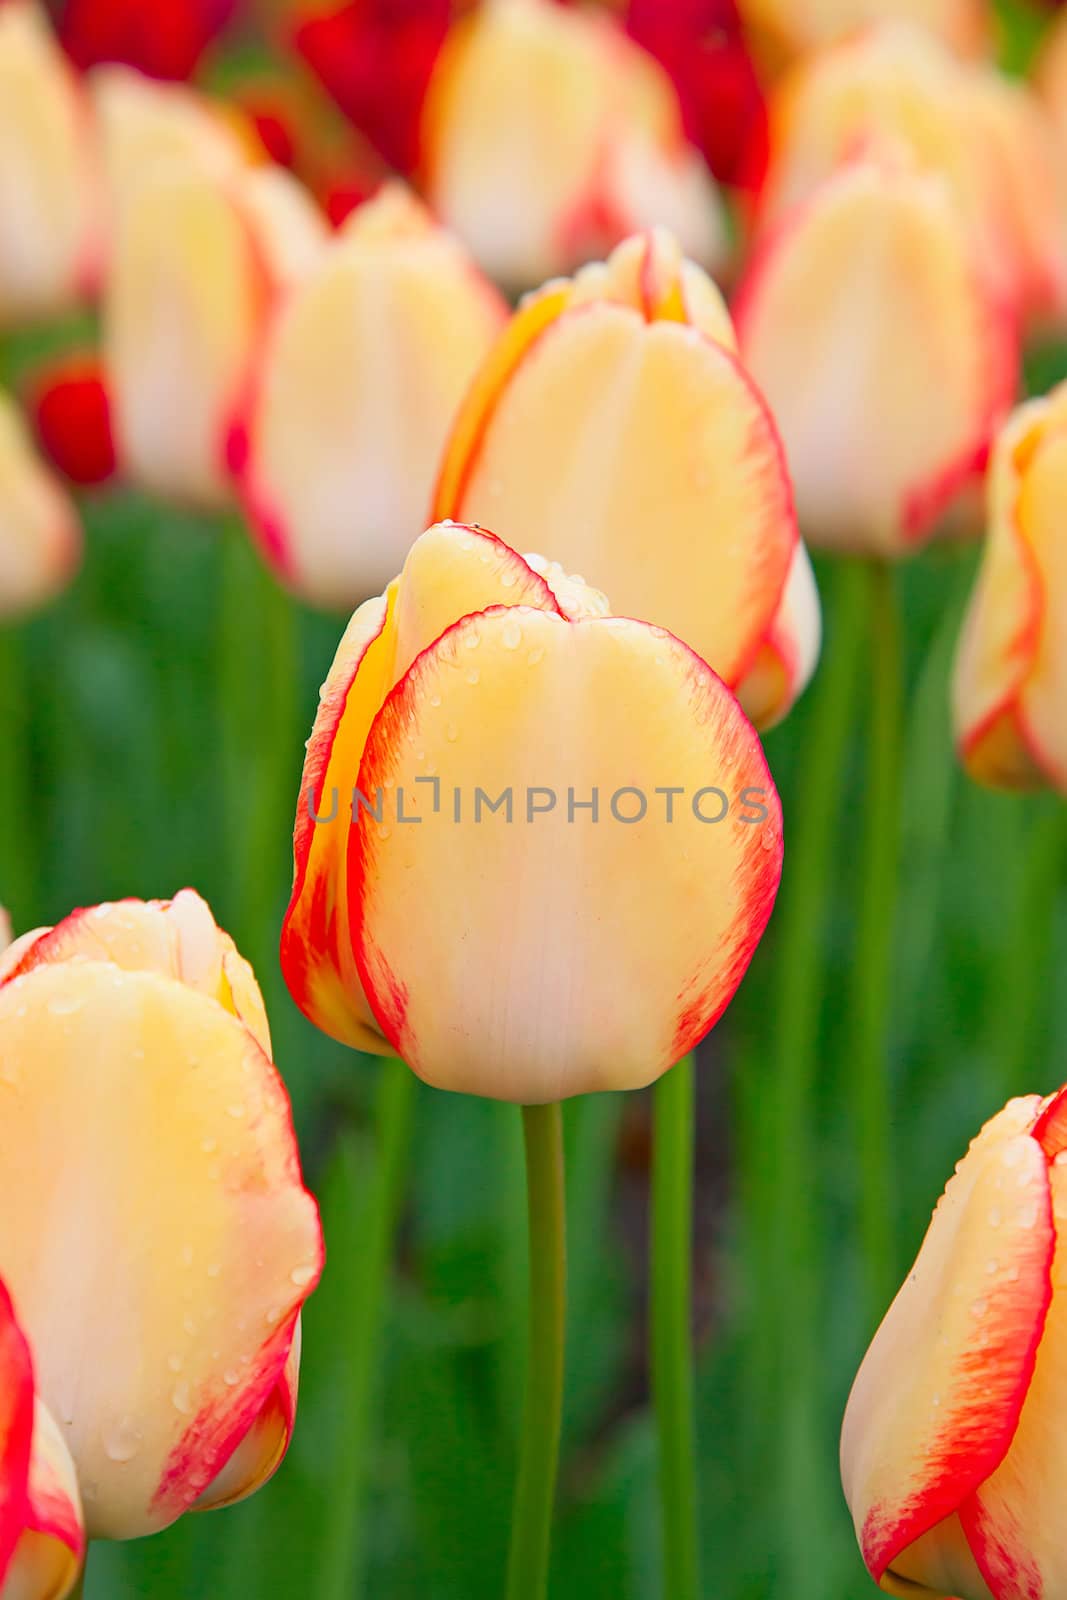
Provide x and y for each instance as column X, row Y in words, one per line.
column 961, row 24
column 549, row 136
column 47, row 181
column 40, row 535
column 1010, row 683
column 199, row 261
column 884, row 355
column 536, row 845
column 163, row 1243
column 894, row 87
column 360, row 378
column 42, row 1538
column 614, row 428
column 952, row 1453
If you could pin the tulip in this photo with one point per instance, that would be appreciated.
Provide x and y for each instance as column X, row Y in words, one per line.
column 42, row 1541
column 163, row 1243
column 951, row 1454
column 40, row 536
column 47, row 185
column 884, row 425
column 614, row 427
column 166, row 39
column 1011, row 667
column 204, row 246
column 961, row 24
column 553, row 954
column 359, row 382
column 71, row 412
column 549, row 136
column 894, row 87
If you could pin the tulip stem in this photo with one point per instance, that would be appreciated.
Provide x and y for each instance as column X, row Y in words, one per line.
column 79, row 1587
column 16, row 809
column 671, row 1332
column 535, row 1491
column 880, row 853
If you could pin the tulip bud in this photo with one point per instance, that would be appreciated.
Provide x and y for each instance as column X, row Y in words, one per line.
column 163, row 1244
column 548, row 136
column 614, row 427
column 47, row 182
column 203, row 246
column 884, row 425
column 40, row 536
column 360, row 379
column 951, row 1453
column 1011, row 669
column 536, row 845
column 961, row 24
column 42, row 1540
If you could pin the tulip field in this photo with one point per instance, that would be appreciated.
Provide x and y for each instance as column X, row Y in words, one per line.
column 533, row 799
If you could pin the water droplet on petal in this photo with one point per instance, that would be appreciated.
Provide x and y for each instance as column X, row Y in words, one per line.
column 122, row 1439
column 182, row 1398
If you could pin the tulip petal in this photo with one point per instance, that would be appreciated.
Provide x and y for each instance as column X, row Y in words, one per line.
column 638, row 452
column 16, row 1429
column 789, row 653
column 52, row 1548
column 939, row 1394
column 537, row 958
column 149, row 1139
column 1013, row 1520
column 360, row 382
column 262, row 1450
column 882, row 426
column 40, row 537
column 448, row 572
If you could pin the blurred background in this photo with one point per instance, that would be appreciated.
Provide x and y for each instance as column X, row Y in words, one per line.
column 125, row 705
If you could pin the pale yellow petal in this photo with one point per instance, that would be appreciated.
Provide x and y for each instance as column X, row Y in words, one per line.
column 40, row 535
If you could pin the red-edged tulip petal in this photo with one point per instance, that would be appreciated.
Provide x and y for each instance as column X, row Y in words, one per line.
column 165, row 39
column 639, row 452
column 287, row 226
column 883, row 425
column 150, row 1138
column 1011, row 669
column 48, row 187
column 448, row 573
column 544, row 954
column 40, row 536
column 790, row 651
column 261, row 1451
column 361, row 378
column 938, row 1398
column 16, row 1429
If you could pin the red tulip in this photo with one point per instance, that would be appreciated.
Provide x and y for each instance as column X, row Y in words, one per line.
column 71, row 412
column 164, row 38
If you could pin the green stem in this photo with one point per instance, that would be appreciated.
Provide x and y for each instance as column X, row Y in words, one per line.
column 535, row 1491
column 880, row 855
column 259, row 704
column 79, row 1587
column 672, row 1339
column 784, row 1138
column 1018, row 990
column 343, row 1547
column 16, row 800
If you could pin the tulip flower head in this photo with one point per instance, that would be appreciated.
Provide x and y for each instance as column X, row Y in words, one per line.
column 555, row 921
column 952, row 1452
column 42, row 1539
column 40, row 535
column 961, row 24
column 548, row 136
column 71, row 412
column 204, row 245
column 1010, row 684
column 163, row 1244
column 614, row 427
column 885, row 356
column 165, row 39
column 360, row 379
column 48, row 189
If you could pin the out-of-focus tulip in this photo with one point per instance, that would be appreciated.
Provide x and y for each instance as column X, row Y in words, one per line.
column 42, row 1541
column 204, row 245
column 40, row 535
column 166, row 39
column 703, row 46
column 548, row 136
column 599, row 843
column 614, row 428
column 952, row 1453
column 884, row 354
column 1011, row 671
column 360, row 380
column 375, row 58
column 47, row 181
column 163, row 1244
column 962, row 24
column 71, row 411
column 895, row 88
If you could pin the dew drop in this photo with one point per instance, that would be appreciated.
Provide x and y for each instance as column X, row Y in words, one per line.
column 435, row 700
column 122, row 1439
column 303, row 1275
column 451, row 733
column 208, row 1145
column 175, row 1362
column 62, row 1005
column 473, row 675
column 511, row 636
column 182, row 1398
column 189, row 1324
column 231, row 1377
column 236, row 1111
column 213, row 1270
column 535, row 656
